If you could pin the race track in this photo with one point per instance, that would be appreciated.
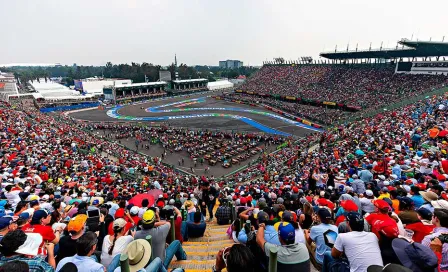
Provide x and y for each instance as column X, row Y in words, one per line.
column 200, row 111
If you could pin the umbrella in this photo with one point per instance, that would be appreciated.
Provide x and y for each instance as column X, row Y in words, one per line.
column 137, row 200
column 155, row 193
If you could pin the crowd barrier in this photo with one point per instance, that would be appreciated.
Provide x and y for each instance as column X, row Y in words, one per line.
column 70, row 107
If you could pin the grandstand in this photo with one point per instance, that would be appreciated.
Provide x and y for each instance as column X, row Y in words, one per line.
column 352, row 80
column 381, row 178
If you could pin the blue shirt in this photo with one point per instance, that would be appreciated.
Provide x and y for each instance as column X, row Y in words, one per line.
column 396, row 170
column 83, row 263
column 270, row 235
column 365, row 175
column 317, row 235
column 418, row 200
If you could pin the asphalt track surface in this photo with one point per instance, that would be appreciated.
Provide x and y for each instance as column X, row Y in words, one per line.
column 220, row 123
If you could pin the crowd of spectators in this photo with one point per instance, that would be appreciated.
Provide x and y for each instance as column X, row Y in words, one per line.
column 363, row 86
column 323, row 115
column 364, row 196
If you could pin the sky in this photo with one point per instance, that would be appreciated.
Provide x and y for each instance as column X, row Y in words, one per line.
column 203, row 32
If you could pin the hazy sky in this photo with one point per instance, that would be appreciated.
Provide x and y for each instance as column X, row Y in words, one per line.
column 206, row 31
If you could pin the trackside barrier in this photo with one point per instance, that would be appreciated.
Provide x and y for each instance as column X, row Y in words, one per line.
column 273, row 260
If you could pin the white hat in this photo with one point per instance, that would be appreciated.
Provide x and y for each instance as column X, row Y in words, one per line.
column 191, row 195
column 45, row 197
column 330, row 188
column 322, row 193
column 134, row 210
column 440, row 204
column 394, row 176
column 369, row 193
column 171, row 202
column 354, row 176
column 31, row 245
column 386, row 183
column 382, row 177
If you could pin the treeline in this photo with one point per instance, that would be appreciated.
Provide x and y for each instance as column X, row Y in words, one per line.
column 134, row 71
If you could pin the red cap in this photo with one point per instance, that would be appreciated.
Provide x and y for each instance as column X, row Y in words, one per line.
column 119, row 213
column 388, row 228
column 243, row 200
column 409, row 182
column 444, row 195
column 391, row 188
column 381, row 204
column 165, row 195
column 309, row 199
column 249, row 198
column 322, row 202
column 349, row 205
column 441, row 178
column 421, row 186
column 295, row 189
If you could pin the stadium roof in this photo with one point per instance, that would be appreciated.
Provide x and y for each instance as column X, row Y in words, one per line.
column 190, row 80
column 144, row 84
column 411, row 49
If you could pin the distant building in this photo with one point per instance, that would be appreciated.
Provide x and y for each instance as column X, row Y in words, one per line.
column 230, row 64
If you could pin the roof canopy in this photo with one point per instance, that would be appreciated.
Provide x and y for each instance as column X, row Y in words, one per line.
column 411, row 49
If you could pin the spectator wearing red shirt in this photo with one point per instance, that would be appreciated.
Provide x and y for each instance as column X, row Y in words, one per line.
column 423, row 227
column 122, row 213
column 39, row 224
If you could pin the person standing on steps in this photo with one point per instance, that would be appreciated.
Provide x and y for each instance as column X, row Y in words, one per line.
column 209, row 194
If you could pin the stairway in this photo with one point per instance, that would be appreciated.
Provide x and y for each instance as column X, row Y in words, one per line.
column 202, row 251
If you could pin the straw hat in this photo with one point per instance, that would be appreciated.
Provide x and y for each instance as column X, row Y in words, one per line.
column 139, row 252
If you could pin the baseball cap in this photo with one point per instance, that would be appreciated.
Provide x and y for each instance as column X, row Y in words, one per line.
column 381, row 204
column 134, row 210
column 287, row 232
column 5, row 222
column 77, row 223
column 149, row 217
column 95, row 202
column 38, row 215
column 262, row 217
column 349, row 205
column 324, row 213
column 406, row 201
column 355, row 219
column 369, row 193
column 119, row 213
column 24, row 215
column 119, row 223
column 425, row 213
column 288, row 216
